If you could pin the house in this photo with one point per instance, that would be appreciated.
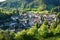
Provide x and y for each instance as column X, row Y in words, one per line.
column 49, row 16
column 13, row 25
column 11, row 30
column 34, row 18
column 52, row 15
column 45, row 15
column 14, row 18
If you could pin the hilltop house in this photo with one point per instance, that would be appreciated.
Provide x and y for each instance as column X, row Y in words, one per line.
column 49, row 16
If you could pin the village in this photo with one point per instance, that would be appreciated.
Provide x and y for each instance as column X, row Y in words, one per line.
column 26, row 20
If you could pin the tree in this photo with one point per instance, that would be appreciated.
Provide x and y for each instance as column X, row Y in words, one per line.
column 38, row 25
column 1, row 35
column 28, row 34
column 20, row 35
column 57, row 30
column 12, row 35
column 43, row 30
column 45, row 22
column 6, row 35
column 31, row 33
column 53, row 27
column 55, row 9
column 58, row 16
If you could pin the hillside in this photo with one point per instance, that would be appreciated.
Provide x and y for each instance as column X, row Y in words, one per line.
column 9, row 4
